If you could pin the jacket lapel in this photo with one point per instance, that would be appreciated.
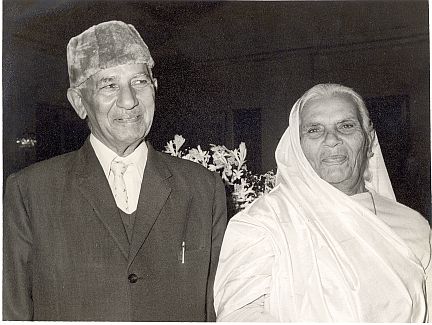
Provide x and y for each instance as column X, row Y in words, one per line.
column 95, row 188
column 155, row 190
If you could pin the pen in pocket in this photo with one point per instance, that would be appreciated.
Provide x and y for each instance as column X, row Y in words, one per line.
column 183, row 252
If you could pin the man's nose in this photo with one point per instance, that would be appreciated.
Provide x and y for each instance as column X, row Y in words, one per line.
column 332, row 138
column 127, row 98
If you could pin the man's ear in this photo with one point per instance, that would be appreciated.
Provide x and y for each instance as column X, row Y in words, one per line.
column 75, row 99
column 155, row 83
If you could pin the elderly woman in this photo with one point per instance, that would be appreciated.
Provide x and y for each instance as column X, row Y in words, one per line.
column 330, row 242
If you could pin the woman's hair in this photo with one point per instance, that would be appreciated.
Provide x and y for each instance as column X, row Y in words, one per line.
column 334, row 90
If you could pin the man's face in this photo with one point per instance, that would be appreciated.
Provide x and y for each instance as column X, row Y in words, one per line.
column 120, row 104
column 334, row 142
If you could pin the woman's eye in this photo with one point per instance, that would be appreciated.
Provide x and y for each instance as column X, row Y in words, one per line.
column 314, row 129
column 348, row 127
column 313, row 132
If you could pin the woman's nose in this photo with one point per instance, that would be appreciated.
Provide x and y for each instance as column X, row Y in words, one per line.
column 332, row 139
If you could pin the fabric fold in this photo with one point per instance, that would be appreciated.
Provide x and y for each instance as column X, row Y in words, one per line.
column 334, row 260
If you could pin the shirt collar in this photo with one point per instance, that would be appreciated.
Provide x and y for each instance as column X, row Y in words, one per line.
column 105, row 156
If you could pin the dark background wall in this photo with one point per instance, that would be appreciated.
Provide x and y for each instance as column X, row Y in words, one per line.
column 230, row 72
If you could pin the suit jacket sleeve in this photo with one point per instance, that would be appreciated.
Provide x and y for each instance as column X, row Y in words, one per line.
column 218, row 230
column 17, row 249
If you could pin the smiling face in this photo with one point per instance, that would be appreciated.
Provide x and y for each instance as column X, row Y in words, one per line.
column 120, row 104
column 334, row 142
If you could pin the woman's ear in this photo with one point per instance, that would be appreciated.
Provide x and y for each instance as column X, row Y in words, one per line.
column 371, row 138
column 75, row 99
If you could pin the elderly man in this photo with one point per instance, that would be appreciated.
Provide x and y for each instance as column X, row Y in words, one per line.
column 114, row 231
column 329, row 243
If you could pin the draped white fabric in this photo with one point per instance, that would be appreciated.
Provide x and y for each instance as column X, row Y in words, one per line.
column 316, row 253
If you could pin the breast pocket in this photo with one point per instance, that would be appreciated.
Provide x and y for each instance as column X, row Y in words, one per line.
column 186, row 254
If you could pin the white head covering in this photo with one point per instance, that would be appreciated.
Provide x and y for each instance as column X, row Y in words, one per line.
column 343, row 240
column 288, row 167
column 332, row 259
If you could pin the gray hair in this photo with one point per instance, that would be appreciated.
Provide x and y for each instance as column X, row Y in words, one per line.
column 335, row 90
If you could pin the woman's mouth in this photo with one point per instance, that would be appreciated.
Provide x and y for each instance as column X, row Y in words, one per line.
column 334, row 159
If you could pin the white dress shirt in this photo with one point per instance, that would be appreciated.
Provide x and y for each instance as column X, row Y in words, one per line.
column 133, row 176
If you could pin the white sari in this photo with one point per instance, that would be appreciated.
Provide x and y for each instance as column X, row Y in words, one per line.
column 308, row 252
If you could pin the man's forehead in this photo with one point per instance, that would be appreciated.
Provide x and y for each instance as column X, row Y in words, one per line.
column 123, row 71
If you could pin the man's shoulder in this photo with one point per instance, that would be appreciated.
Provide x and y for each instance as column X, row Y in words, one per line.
column 186, row 173
column 46, row 168
column 176, row 164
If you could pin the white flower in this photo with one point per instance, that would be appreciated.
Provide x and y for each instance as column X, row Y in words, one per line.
column 169, row 148
column 178, row 141
column 240, row 154
column 231, row 165
column 243, row 191
column 173, row 147
column 198, row 156
column 214, row 168
column 237, row 174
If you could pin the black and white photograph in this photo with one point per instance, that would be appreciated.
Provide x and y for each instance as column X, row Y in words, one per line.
column 203, row 161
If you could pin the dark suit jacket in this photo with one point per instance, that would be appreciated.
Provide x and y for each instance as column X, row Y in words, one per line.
column 67, row 256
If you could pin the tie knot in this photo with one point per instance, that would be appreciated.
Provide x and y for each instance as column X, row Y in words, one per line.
column 118, row 167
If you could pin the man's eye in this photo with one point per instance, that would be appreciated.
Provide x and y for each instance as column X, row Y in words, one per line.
column 109, row 86
column 347, row 126
column 141, row 82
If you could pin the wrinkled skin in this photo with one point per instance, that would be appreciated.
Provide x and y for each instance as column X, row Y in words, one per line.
column 119, row 103
column 334, row 142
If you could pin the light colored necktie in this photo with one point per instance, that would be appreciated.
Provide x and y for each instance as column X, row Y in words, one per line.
column 119, row 186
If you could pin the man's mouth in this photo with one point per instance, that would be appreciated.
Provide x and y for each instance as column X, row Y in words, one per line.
column 335, row 159
column 128, row 119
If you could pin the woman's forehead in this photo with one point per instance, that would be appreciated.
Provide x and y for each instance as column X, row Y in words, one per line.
column 329, row 108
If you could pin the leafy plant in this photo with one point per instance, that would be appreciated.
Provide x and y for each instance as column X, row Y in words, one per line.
column 244, row 186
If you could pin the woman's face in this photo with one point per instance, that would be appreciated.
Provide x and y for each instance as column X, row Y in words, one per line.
column 334, row 142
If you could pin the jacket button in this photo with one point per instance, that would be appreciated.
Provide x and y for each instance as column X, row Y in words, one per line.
column 132, row 278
